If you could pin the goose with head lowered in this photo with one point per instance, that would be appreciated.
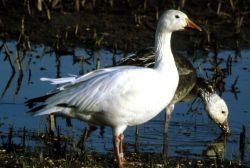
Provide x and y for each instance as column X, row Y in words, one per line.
column 189, row 87
column 122, row 96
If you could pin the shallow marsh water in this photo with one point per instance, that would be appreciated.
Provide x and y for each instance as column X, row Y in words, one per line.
column 191, row 133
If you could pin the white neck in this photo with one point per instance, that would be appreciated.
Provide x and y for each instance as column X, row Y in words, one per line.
column 164, row 60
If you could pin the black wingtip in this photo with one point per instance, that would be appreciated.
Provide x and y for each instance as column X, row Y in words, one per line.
column 32, row 102
column 33, row 111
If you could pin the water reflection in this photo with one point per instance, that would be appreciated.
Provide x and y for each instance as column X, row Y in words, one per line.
column 216, row 149
column 191, row 133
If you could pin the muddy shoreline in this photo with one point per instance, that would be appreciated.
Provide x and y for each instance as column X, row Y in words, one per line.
column 147, row 160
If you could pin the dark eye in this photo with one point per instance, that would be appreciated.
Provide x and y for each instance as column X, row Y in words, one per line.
column 223, row 112
column 177, row 16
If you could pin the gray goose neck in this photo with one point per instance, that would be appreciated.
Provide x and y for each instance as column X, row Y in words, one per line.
column 204, row 90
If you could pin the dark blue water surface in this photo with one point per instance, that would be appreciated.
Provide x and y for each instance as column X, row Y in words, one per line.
column 191, row 132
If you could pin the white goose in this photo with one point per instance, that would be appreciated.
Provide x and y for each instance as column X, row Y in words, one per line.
column 126, row 95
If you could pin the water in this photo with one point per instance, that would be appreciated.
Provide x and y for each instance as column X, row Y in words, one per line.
column 191, row 133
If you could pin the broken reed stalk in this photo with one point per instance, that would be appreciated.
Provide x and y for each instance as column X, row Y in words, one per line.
column 218, row 8
column 24, row 137
column 234, row 88
column 182, row 4
column 239, row 22
column 19, row 63
column 8, row 55
column 39, row 5
column 229, row 65
column 242, row 145
column 48, row 13
column 77, row 5
column 58, row 65
column 56, row 3
column 19, row 83
column 113, row 59
column 10, row 136
column 18, row 48
column 29, row 70
column 98, row 63
column 157, row 14
column 94, row 3
column 7, row 86
column 111, row 3
column 22, row 30
column 52, row 123
column 82, row 61
column 27, row 4
column 145, row 4
column 76, row 29
column 81, row 144
column 232, row 4
column 57, row 143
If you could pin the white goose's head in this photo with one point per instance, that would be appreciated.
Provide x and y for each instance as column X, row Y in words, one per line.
column 218, row 111
column 174, row 20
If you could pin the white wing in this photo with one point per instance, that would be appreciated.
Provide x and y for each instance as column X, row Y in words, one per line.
column 73, row 79
column 125, row 92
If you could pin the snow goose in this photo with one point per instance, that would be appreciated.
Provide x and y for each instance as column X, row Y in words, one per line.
column 125, row 95
column 189, row 87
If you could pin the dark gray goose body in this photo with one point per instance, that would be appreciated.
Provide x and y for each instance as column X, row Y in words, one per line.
column 190, row 86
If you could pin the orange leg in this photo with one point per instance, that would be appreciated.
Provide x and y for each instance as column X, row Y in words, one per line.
column 121, row 148
column 118, row 146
